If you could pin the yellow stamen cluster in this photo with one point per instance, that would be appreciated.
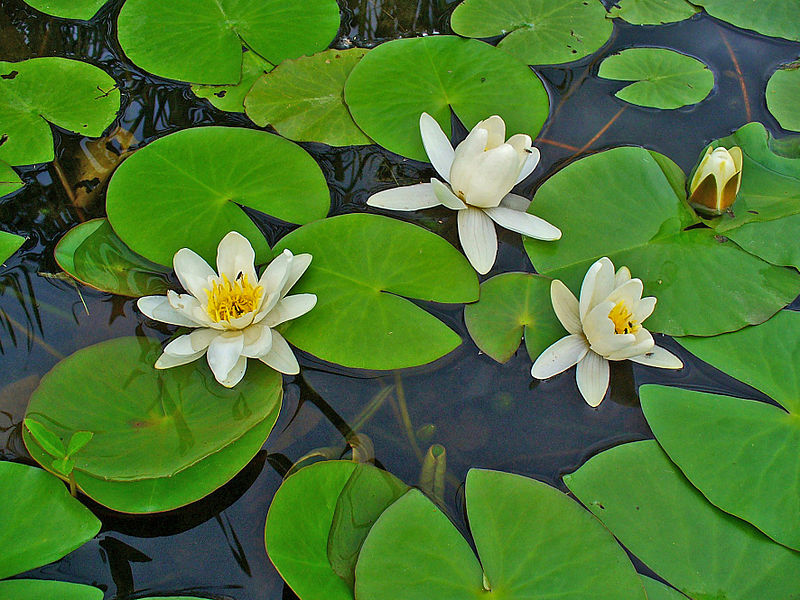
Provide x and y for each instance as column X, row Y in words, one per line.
column 623, row 319
column 228, row 300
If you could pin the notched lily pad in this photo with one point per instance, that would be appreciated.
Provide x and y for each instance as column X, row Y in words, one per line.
column 94, row 255
column 664, row 78
column 303, row 99
column 652, row 12
column 541, row 31
column 68, row 9
column 9, row 243
column 776, row 18
column 364, row 268
column 783, row 96
column 230, row 98
column 33, row 93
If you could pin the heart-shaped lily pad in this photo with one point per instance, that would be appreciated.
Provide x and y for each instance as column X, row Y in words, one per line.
column 777, row 18
column 40, row 522
column 742, row 454
column 231, row 97
column 541, row 31
column 161, row 421
column 68, row 9
column 363, row 267
column 783, row 96
column 35, row 589
column 201, row 40
column 652, row 12
column 183, row 191
column 303, row 99
column 664, row 78
column 93, row 254
column 533, row 541
column 513, row 306
column 9, row 243
column 621, row 204
column 9, row 180
column 655, row 512
column 33, row 93
column 318, row 521
column 397, row 81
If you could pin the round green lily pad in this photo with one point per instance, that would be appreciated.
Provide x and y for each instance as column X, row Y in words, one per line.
column 303, row 99
column 36, row 589
column 533, row 542
column 364, row 268
column 9, row 243
column 542, row 32
column 230, row 98
column 201, row 40
column 652, row 12
column 9, row 180
column 185, row 191
column 160, row 421
column 93, row 254
column 655, row 512
column 621, row 203
column 513, row 306
column 783, row 96
column 33, row 93
column 68, row 9
column 664, row 78
column 40, row 522
column 397, row 81
column 776, row 18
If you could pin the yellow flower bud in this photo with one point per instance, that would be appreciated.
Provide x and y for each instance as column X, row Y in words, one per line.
column 716, row 181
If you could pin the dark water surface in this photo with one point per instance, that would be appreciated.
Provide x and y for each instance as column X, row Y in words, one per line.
column 485, row 414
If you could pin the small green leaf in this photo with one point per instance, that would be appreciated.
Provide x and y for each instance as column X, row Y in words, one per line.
column 46, row 438
column 431, row 478
column 63, row 466
column 34, row 589
column 652, row 12
column 78, row 440
column 777, row 18
column 783, row 96
column 68, row 9
column 9, row 243
column 9, row 181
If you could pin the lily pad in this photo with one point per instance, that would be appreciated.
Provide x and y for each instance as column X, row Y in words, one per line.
column 303, row 99
column 230, row 98
column 93, row 254
column 35, row 589
column 40, row 522
column 783, row 96
column 513, row 306
column 541, row 31
column 397, row 81
column 363, row 269
column 658, row 591
column 776, row 18
column 533, row 542
column 161, row 421
column 185, row 191
column 664, row 78
column 9, row 180
column 621, row 204
column 655, row 512
column 201, row 40
column 34, row 93
column 652, row 12
column 9, row 243
column 68, row 9
column 749, row 467
column 318, row 521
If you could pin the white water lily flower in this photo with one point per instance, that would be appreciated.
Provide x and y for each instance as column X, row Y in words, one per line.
column 479, row 173
column 234, row 312
column 606, row 324
column 716, row 180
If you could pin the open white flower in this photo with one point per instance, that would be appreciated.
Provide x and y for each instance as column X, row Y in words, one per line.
column 605, row 325
column 233, row 311
column 480, row 172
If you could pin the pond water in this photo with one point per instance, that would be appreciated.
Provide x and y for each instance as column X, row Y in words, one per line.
column 485, row 414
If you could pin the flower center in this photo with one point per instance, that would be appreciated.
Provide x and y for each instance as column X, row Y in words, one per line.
column 228, row 300
column 622, row 318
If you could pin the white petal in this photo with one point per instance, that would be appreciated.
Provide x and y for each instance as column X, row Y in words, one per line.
column 560, row 356
column 236, row 374
column 409, row 197
column 446, row 196
column 158, row 308
column 235, row 255
column 644, row 343
column 565, row 305
column 191, row 343
column 592, row 376
column 597, row 285
column 521, row 142
column 223, row 353
column 623, row 275
column 257, row 341
column 467, row 152
column 524, row 223
column 281, row 358
column 274, row 278
column 493, row 176
column 515, row 202
column 193, row 272
column 166, row 361
column 659, row 357
column 437, row 146
column 644, row 308
column 478, row 238
column 289, row 308
column 629, row 292
column 298, row 266
column 529, row 165
column 600, row 331
column 241, row 322
column 496, row 129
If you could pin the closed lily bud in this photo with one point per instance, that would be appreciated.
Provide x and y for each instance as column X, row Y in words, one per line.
column 716, row 181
